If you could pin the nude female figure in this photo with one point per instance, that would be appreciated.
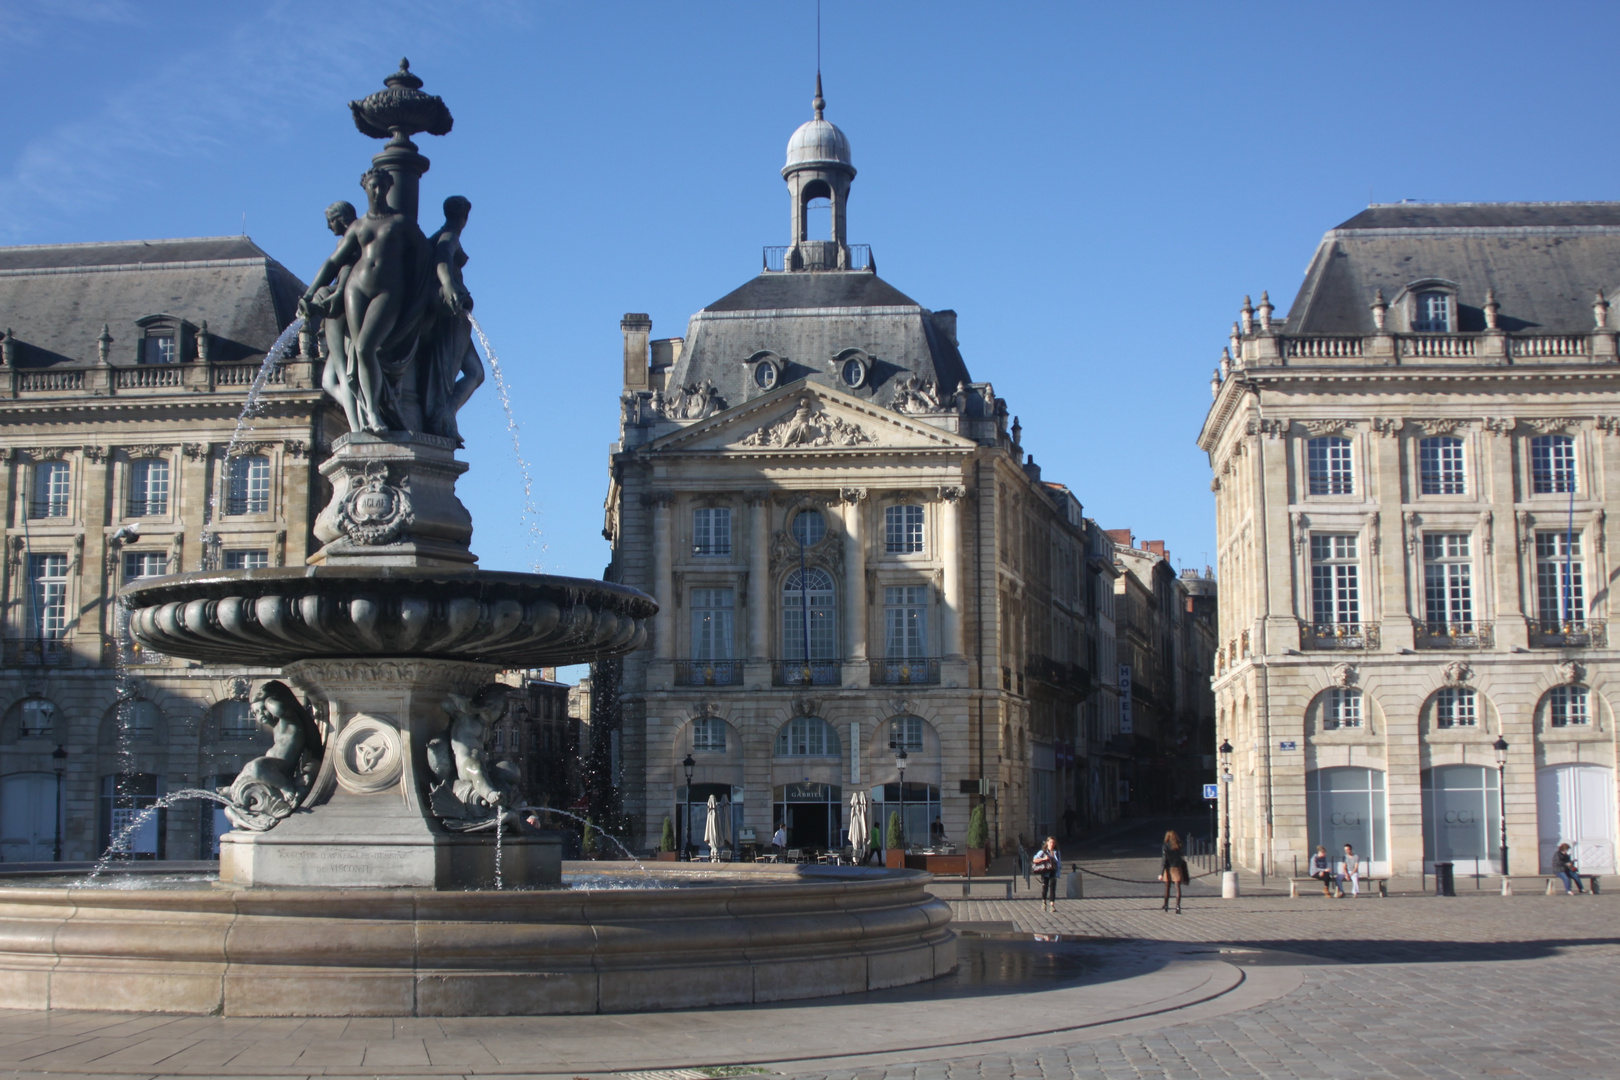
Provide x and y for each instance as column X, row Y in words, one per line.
column 457, row 370
column 327, row 305
column 375, row 249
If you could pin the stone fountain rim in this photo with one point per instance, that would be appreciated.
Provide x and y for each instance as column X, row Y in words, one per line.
column 273, row 581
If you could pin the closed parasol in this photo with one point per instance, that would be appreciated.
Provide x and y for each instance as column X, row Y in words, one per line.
column 860, row 828
column 714, row 830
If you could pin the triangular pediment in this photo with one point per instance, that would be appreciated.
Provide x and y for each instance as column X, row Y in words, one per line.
column 807, row 416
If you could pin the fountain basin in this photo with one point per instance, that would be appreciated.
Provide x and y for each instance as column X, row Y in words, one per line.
column 756, row 935
column 276, row 616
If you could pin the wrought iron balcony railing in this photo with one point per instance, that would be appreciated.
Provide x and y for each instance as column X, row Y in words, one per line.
column 1455, row 635
column 817, row 255
column 36, row 652
column 1339, row 635
column 708, row 672
column 913, row 671
column 807, row 672
column 1569, row 634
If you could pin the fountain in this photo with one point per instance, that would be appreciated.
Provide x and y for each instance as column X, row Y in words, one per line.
column 377, row 865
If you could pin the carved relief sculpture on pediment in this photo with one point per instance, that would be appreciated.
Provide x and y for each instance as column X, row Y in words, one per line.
column 1440, row 426
column 1548, row 425
column 695, row 401
column 1317, row 428
column 920, row 396
column 810, row 425
column 152, row 450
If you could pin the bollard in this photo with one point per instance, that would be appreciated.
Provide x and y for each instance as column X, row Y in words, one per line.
column 1229, row 885
column 1593, row 881
column 1507, row 887
column 1076, row 885
column 1550, row 890
column 1445, row 881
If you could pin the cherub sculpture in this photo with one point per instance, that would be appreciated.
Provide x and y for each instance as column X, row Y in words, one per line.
column 269, row 788
column 466, row 795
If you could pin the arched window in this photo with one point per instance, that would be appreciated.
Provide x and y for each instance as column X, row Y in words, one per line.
column 1341, row 709
column 807, row 736
column 709, row 734
column 1456, row 707
column 134, row 720
column 235, row 720
column 809, row 608
column 906, row 733
column 1567, row 707
column 36, row 718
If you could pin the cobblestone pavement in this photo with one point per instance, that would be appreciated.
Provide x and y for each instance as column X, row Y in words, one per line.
column 1417, row 986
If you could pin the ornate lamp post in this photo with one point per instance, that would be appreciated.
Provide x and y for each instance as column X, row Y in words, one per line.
column 59, row 756
column 686, row 824
column 1226, row 800
column 900, row 767
column 1501, row 748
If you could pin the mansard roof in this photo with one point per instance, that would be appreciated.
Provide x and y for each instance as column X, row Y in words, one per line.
column 56, row 297
column 809, row 319
column 1545, row 262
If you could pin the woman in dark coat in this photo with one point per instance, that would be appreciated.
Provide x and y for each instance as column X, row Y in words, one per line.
column 1172, row 869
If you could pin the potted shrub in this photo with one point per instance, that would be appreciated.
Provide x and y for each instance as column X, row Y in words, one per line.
column 666, row 842
column 977, row 835
column 894, row 849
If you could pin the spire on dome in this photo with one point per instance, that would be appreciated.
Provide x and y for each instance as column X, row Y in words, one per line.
column 820, row 103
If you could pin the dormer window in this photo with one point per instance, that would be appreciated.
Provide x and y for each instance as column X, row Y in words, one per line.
column 159, row 349
column 163, row 339
column 1432, row 313
column 852, row 368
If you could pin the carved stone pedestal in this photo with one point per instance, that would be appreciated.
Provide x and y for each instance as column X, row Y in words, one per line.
column 393, row 503
column 367, row 821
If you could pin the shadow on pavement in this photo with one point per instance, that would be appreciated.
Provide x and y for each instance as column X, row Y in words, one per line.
column 1357, row 952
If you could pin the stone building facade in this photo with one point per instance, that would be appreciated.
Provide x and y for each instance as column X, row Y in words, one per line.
column 123, row 370
column 853, row 555
column 1166, row 629
column 1413, row 474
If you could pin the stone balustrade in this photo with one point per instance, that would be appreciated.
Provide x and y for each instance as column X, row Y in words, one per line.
column 153, row 379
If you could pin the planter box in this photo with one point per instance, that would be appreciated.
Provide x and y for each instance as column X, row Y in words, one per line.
column 894, row 859
column 978, row 860
column 669, row 856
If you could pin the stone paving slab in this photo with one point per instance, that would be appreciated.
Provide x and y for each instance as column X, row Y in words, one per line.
column 1411, row 986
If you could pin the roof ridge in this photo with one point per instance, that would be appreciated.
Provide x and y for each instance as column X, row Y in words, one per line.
column 127, row 243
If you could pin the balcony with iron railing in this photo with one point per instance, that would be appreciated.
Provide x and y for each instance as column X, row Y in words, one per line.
column 36, row 652
column 1456, row 634
column 1338, row 635
column 708, row 672
column 1568, row 634
column 819, row 255
column 910, row 671
column 807, row 672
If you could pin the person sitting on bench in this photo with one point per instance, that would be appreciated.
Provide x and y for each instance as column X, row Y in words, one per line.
column 1567, row 871
column 1350, row 870
column 1321, row 869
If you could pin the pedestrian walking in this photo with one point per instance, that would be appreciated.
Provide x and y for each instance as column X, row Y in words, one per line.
column 1047, row 864
column 1568, row 872
column 1172, row 868
column 1321, row 869
column 779, row 839
column 1350, row 870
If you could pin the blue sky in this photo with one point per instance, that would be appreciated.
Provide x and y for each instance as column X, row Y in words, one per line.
column 1092, row 187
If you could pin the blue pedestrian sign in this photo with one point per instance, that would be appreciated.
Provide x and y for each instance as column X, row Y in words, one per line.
column 1212, row 791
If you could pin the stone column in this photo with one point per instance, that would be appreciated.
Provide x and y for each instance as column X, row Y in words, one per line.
column 854, row 578
column 663, row 577
column 760, row 585
column 950, row 605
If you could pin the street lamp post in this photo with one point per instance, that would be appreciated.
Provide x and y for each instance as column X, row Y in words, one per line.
column 1226, row 801
column 59, row 755
column 900, row 767
column 1501, row 748
column 686, row 823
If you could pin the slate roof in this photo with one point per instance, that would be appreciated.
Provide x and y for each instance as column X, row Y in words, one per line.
column 57, row 296
column 809, row 317
column 1546, row 262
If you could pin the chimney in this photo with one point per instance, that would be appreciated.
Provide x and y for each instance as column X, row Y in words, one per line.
column 637, row 329
column 945, row 324
column 1121, row 537
column 1155, row 546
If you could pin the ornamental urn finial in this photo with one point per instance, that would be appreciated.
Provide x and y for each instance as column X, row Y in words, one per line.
column 401, row 110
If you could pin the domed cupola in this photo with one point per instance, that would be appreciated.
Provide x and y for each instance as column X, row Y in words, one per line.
column 818, row 167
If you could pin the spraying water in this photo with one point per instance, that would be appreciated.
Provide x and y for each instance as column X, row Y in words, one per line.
column 250, row 409
column 500, row 836
column 609, row 837
column 531, row 515
column 120, row 842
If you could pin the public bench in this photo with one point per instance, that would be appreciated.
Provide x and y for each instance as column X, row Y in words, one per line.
column 1550, row 884
column 1369, row 884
